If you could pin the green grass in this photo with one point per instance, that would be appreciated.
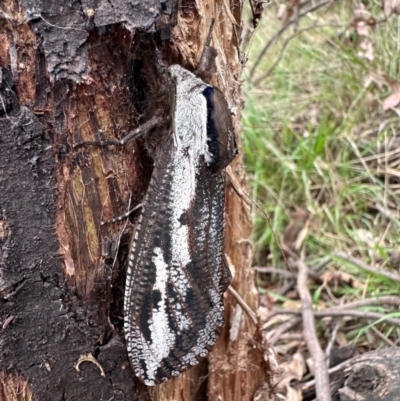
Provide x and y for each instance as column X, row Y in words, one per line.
column 311, row 128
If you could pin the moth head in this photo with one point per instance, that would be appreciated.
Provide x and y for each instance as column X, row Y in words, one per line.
column 180, row 74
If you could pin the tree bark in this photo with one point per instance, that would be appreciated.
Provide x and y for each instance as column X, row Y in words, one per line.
column 86, row 70
column 372, row 376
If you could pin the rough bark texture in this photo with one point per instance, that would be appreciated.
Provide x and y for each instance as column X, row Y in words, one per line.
column 85, row 70
column 373, row 376
column 367, row 377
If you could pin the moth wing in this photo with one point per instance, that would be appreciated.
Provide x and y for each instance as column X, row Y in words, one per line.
column 174, row 289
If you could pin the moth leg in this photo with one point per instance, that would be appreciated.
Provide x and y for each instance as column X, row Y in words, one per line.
column 123, row 216
column 136, row 133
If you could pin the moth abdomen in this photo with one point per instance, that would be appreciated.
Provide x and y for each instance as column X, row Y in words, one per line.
column 220, row 135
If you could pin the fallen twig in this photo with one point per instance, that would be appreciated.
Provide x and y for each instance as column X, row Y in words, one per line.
column 359, row 263
column 283, row 50
column 312, row 8
column 322, row 388
column 321, row 264
column 311, row 383
column 288, row 286
column 337, row 312
column 387, row 213
column 284, row 327
column 275, row 270
column 243, row 304
column 284, row 273
column 332, row 339
column 383, row 337
column 392, row 300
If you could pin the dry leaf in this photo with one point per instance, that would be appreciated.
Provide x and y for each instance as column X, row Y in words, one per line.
column 282, row 10
column 338, row 277
column 362, row 28
column 363, row 25
column 391, row 7
column 382, row 79
column 366, row 49
column 293, row 395
column 341, row 339
column 392, row 101
column 297, row 366
column 311, row 365
column 284, row 14
column 291, row 304
column 363, row 20
column 293, row 369
column 367, row 237
column 360, row 11
column 286, row 348
column 395, row 259
column 264, row 393
column 263, row 314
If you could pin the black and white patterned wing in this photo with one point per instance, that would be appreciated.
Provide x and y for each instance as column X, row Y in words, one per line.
column 176, row 277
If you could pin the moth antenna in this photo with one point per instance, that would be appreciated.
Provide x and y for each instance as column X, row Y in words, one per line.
column 206, row 68
column 209, row 37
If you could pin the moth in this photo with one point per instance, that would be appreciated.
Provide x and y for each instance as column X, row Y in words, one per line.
column 176, row 277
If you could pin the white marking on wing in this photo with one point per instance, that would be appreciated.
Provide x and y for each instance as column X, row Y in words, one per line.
column 162, row 339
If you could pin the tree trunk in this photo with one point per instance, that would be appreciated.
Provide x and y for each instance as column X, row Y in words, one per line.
column 85, row 70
